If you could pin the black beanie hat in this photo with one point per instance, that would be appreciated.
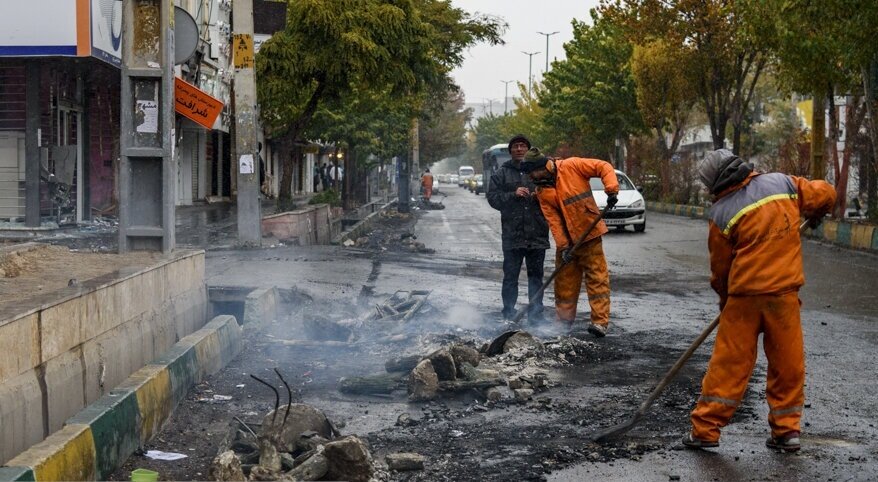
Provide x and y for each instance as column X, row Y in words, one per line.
column 518, row 138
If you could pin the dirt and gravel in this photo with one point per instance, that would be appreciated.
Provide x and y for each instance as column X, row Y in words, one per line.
column 30, row 273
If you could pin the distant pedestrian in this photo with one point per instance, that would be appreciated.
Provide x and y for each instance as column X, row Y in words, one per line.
column 427, row 184
column 756, row 269
column 336, row 175
column 316, row 177
column 324, row 176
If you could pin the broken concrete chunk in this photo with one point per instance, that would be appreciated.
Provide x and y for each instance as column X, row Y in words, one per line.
column 465, row 354
column 302, row 418
column 226, row 467
column 494, row 394
column 362, row 241
column 443, row 364
column 406, row 420
column 262, row 473
column 348, row 243
column 522, row 342
column 423, row 382
column 515, row 383
column 306, row 443
column 348, row 459
column 313, row 468
column 405, row 461
column 523, row 394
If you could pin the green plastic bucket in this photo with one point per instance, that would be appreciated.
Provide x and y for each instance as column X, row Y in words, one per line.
column 143, row 475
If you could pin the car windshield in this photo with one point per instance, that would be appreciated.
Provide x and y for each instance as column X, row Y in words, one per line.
column 624, row 183
column 466, row 171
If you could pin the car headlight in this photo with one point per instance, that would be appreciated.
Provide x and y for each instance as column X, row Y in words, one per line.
column 636, row 204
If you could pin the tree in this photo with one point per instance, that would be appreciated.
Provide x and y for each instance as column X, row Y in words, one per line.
column 442, row 134
column 825, row 48
column 660, row 72
column 589, row 98
column 327, row 49
column 726, row 59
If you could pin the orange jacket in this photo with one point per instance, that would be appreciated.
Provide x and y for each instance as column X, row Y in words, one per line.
column 427, row 180
column 569, row 206
column 755, row 247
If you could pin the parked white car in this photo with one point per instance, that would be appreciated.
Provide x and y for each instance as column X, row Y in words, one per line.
column 631, row 208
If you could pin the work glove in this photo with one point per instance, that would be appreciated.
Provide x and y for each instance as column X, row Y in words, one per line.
column 814, row 222
column 567, row 255
column 612, row 199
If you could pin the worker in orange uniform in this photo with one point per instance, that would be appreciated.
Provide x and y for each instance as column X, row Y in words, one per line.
column 566, row 200
column 427, row 184
column 756, row 268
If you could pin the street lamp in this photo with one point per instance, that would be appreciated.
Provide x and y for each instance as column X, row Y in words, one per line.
column 547, row 47
column 506, row 96
column 530, row 63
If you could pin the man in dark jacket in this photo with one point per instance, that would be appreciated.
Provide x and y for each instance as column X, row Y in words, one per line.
column 525, row 231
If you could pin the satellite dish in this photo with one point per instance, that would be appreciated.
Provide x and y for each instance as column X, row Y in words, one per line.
column 185, row 36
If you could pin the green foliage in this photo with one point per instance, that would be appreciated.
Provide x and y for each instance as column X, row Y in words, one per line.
column 329, row 196
column 589, row 98
column 348, row 53
column 442, row 133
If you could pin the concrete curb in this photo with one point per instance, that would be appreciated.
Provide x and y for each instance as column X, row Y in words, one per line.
column 841, row 233
column 363, row 226
column 97, row 440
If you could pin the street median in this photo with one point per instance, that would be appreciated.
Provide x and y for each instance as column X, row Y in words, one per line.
column 98, row 440
column 842, row 233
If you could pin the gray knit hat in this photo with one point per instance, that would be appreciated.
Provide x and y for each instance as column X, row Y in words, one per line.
column 710, row 167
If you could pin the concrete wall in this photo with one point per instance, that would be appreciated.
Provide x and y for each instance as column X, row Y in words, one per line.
column 97, row 440
column 311, row 225
column 66, row 354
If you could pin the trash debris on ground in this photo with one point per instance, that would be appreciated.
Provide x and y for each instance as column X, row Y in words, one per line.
column 167, row 456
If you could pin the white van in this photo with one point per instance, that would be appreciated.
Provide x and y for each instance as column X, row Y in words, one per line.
column 465, row 173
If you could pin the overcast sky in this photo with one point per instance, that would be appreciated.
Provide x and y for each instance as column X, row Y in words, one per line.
column 485, row 66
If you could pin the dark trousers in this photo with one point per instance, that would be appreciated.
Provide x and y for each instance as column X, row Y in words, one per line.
column 512, row 259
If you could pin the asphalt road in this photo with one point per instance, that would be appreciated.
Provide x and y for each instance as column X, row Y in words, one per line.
column 660, row 285
column 661, row 300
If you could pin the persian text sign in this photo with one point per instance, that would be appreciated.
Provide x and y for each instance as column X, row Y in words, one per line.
column 195, row 104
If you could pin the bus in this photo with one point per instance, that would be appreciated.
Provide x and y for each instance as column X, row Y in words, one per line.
column 464, row 173
column 492, row 158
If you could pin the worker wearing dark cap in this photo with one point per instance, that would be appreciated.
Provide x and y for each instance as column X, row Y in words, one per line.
column 565, row 197
column 525, row 232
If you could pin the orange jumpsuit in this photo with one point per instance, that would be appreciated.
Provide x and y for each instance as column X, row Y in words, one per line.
column 570, row 208
column 756, row 268
column 427, row 183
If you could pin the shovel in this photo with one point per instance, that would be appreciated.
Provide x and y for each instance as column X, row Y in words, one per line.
column 615, row 431
column 520, row 314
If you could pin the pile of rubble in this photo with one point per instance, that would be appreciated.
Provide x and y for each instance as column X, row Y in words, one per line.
column 506, row 369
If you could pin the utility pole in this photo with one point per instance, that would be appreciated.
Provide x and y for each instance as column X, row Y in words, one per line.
column 547, row 48
column 148, row 168
column 247, row 154
column 506, row 96
column 530, row 64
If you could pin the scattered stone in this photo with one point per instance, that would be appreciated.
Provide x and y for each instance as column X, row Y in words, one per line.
column 443, row 365
column 348, row 243
column 307, row 443
column 348, row 459
column 423, row 382
column 494, row 394
column 405, row 461
column 302, row 418
column 464, row 354
column 262, row 473
column 362, row 241
column 226, row 467
column 523, row 394
column 287, row 461
column 314, row 467
column 480, row 408
column 406, row 420
column 516, row 383
column 402, row 364
column 522, row 341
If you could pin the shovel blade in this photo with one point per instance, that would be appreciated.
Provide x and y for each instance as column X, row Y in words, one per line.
column 615, row 431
